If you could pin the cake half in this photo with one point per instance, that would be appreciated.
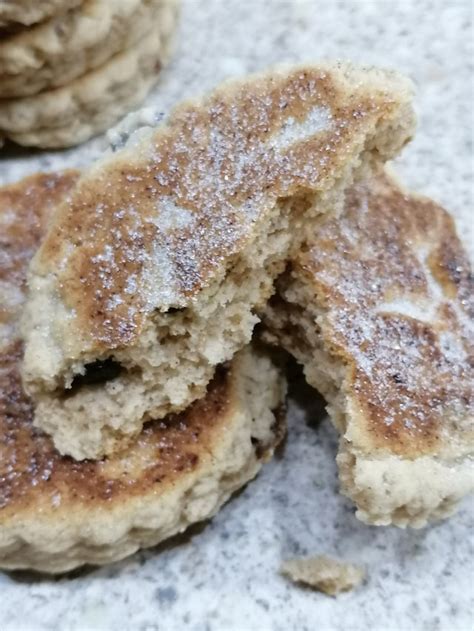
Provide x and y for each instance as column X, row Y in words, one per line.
column 379, row 310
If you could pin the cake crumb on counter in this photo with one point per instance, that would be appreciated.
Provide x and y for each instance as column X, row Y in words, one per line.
column 324, row 574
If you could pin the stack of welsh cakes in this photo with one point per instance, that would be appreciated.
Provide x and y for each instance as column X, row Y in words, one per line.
column 69, row 69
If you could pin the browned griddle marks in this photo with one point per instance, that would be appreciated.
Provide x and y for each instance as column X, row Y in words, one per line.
column 149, row 232
column 399, row 296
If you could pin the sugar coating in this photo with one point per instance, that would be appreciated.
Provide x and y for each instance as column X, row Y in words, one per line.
column 394, row 318
column 220, row 166
column 380, row 311
column 166, row 251
column 56, row 513
column 318, row 119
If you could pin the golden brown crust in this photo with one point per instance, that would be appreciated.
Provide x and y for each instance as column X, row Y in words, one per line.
column 32, row 473
column 25, row 209
column 215, row 168
column 379, row 310
column 31, row 470
column 399, row 293
column 57, row 513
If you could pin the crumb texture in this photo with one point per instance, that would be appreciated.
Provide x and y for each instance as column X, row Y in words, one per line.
column 56, row 513
column 27, row 12
column 324, row 574
column 69, row 114
column 380, row 311
column 165, row 253
column 55, row 52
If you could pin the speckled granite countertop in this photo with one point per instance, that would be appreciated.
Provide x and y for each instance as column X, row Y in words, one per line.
column 224, row 576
